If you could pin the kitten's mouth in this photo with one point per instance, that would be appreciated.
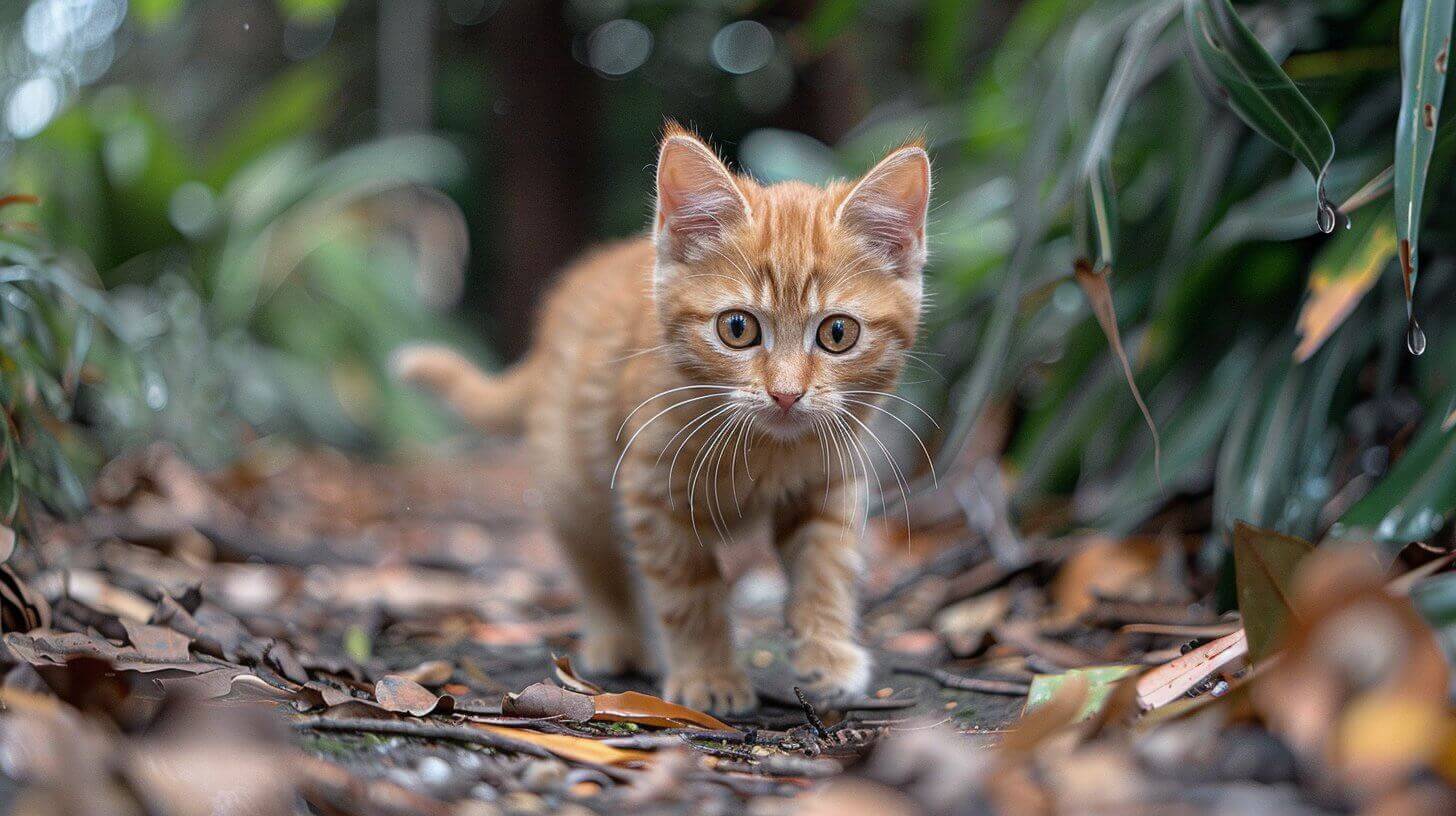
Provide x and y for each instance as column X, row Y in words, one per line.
column 786, row 425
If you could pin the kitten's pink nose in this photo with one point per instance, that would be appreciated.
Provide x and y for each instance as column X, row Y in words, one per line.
column 786, row 400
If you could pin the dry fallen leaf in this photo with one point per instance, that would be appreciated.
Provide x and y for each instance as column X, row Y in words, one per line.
column 966, row 625
column 157, row 642
column 1103, row 567
column 1362, row 683
column 1099, row 294
column 566, row 674
column 430, row 672
column 543, row 701
column 1265, row 562
column 645, row 709
column 405, row 696
column 566, row 746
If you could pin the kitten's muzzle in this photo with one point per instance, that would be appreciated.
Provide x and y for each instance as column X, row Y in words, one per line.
column 786, row 399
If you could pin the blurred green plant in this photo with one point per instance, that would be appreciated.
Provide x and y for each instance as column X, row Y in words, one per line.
column 293, row 272
column 1163, row 144
column 62, row 343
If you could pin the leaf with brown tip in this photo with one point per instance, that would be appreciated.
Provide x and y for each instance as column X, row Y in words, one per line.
column 1099, row 294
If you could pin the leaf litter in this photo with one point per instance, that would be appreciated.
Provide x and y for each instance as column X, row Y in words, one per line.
column 156, row 666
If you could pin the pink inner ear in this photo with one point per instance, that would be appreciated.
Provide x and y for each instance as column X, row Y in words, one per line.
column 696, row 197
column 697, row 212
column 887, row 224
column 889, row 205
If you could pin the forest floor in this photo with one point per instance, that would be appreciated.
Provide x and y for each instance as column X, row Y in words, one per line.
column 304, row 632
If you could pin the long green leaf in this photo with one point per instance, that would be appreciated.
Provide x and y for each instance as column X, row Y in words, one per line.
column 1259, row 91
column 1425, row 44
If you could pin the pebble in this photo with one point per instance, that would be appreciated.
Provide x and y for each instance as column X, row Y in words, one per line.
column 543, row 775
column 433, row 771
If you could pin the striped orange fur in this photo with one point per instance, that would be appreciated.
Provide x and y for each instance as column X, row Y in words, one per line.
column 715, row 375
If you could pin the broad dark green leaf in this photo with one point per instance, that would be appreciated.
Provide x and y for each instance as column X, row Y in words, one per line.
column 1264, row 563
column 1259, row 91
column 1425, row 45
column 1413, row 500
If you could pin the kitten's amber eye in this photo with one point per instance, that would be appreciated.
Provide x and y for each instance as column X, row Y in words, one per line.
column 838, row 333
column 738, row 329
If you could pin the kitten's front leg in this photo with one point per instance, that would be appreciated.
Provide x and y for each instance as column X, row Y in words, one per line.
column 821, row 550
column 691, row 600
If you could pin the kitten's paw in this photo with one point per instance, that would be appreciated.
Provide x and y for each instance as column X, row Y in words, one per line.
column 832, row 670
column 615, row 652
column 724, row 691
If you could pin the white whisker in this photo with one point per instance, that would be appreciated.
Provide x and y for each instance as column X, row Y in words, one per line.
column 633, row 412
column 928, row 460
column 697, row 424
column 897, row 397
column 900, row 479
column 648, row 424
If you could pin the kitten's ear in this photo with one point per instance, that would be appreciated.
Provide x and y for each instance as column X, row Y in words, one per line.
column 889, row 205
column 697, row 198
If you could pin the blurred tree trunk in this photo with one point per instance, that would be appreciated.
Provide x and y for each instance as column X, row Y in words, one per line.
column 544, row 124
column 829, row 96
column 406, row 65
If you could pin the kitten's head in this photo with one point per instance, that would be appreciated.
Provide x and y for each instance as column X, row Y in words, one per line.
column 801, row 299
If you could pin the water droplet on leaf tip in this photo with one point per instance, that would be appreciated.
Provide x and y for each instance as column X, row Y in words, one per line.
column 1415, row 338
column 1325, row 217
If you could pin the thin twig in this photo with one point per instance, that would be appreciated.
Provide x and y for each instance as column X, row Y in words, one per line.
column 811, row 714
column 409, row 728
column 955, row 681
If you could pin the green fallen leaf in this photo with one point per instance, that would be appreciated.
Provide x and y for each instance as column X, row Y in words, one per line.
column 357, row 644
column 1101, row 680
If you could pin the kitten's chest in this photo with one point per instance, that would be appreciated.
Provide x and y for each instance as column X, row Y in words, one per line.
column 726, row 485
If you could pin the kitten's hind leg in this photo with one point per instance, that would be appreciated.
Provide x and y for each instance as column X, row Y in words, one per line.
column 614, row 640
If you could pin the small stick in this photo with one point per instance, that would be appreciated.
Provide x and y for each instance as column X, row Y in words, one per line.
column 408, row 728
column 811, row 714
column 955, row 681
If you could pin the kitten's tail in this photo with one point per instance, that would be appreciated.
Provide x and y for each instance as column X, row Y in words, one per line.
column 494, row 404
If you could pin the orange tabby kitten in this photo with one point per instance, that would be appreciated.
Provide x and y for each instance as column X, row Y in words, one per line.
column 684, row 386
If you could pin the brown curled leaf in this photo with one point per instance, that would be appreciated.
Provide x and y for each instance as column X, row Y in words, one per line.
column 404, row 696
column 546, row 702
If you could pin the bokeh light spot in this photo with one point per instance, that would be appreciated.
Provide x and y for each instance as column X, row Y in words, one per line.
column 618, row 47
column 742, row 47
column 31, row 106
column 192, row 209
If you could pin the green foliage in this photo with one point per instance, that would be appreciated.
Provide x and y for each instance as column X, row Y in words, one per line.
column 1258, row 90
column 62, row 343
column 293, row 272
column 1425, row 46
column 1219, row 261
